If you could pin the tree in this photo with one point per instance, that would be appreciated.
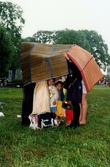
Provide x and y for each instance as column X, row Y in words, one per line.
column 97, row 48
column 11, row 19
column 28, row 39
column 44, row 37
column 89, row 40
column 67, row 37
column 6, row 51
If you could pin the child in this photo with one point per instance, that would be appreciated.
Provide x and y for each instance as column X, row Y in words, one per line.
column 59, row 86
column 53, row 95
column 69, row 113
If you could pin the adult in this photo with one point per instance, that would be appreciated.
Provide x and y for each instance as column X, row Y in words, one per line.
column 74, row 91
column 41, row 98
column 27, row 103
column 41, row 115
column 83, row 106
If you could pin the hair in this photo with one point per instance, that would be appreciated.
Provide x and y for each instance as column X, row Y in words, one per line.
column 51, row 79
column 59, row 82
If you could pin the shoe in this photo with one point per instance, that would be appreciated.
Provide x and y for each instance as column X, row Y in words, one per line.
column 56, row 123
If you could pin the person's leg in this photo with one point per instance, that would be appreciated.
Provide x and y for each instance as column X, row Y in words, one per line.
column 27, row 103
column 76, row 108
column 69, row 117
column 80, row 112
column 83, row 110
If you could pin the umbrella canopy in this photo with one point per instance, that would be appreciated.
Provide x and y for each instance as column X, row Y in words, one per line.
column 42, row 61
column 87, row 65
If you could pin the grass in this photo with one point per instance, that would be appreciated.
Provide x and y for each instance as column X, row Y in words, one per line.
column 86, row 146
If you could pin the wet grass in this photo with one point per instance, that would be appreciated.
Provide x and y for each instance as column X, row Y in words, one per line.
column 86, row 146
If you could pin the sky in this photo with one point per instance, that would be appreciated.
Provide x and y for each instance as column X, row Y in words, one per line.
column 62, row 14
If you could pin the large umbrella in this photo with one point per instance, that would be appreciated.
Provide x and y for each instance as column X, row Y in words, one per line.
column 87, row 65
column 43, row 61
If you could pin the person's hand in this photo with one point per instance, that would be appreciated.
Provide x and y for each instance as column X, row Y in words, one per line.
column 70, row 102
column 68, row 107
column 66, row 56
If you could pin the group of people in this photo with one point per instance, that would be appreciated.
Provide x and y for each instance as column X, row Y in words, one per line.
column 62, row 98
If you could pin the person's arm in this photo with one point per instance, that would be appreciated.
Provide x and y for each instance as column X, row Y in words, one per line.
column 56, row 94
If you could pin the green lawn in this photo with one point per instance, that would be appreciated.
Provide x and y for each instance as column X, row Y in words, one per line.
column 86, row 146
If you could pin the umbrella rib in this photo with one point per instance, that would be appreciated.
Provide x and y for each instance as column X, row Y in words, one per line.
column 29, row 59
column 48, row 60
column 87, row 63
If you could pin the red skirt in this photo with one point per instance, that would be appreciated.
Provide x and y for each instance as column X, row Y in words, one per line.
column 69, row 115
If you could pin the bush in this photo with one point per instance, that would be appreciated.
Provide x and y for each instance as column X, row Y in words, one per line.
column 17, row 83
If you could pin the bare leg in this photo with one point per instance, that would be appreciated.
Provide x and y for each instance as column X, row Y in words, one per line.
column 83, row 110
column 80, row 117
